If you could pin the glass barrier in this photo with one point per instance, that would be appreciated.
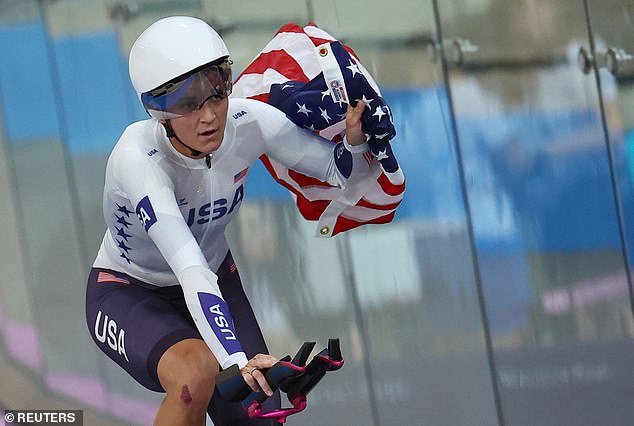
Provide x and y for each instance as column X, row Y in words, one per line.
column 543, row 209
column 611, row 30
column 42, row 288
column 493, row 100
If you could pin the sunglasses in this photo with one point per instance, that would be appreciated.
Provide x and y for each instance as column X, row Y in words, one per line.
column 188, row 93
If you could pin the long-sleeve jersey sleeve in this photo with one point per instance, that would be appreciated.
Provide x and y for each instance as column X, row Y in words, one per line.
column 307, row 153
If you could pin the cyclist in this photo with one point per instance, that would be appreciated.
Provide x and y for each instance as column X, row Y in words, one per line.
column 164, row 298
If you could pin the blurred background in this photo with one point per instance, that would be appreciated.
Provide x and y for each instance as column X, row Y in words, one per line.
column 500, row 294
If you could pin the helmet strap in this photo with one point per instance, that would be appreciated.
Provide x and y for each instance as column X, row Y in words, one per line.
column 172, row 134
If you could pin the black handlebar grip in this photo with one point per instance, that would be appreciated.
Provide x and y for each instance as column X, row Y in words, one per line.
column 300, row 360
column 316, row 370
column 303, row 353
column 278, row 373
column 231, row 384
column 334, row 351
column 291, row 376
column 275, row 376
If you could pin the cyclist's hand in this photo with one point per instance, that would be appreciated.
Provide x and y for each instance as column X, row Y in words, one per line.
column 354, row 133
column 254, row 377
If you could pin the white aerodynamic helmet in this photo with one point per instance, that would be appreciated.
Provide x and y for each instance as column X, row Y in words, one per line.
column 176, row 47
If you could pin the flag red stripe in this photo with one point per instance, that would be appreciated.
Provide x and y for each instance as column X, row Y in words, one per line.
column 365, row 203
column 318, row 41
column 388, row 187
column 345, row 224
column 264, row 97
column 350, row 51
column 310, row 210
column 267, row 163
column 291, row 28
column 303, row 180
column 280, row 61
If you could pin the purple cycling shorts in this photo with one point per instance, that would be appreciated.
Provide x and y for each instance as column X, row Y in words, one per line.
column 134, row 323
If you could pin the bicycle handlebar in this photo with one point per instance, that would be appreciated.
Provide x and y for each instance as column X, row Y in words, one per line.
column 291, row 376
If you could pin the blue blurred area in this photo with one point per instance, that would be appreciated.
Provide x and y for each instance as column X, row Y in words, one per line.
column 422, row 122
column 96, row 93
column 262, row 186
column 93, row 101
column 26, row 85
column 548, row 174
column 527, row 173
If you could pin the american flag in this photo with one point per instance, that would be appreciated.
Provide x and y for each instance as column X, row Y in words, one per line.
column 240, row 175
column 104, row 277
column 310, row 76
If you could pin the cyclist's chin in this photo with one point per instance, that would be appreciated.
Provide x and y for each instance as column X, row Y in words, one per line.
column 211, row 143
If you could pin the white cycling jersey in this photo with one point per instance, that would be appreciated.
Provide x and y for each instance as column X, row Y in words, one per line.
column 183, row 205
